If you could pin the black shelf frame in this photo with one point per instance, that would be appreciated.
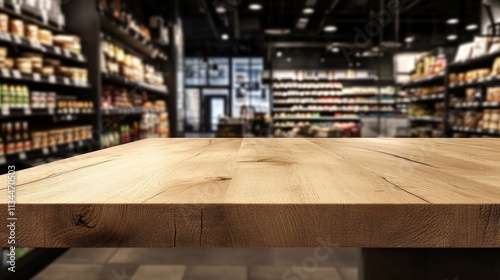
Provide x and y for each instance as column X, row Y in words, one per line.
column 121, row 81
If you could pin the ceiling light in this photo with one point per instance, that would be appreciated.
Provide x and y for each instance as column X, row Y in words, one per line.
column 303, row 20
column 322, row 60
column 358, row 64
column 220, row 9
column 410, row 39
column 224, row 37
column 452, row 21
column 255, row 7
column 471, row 27
column 289, row 59
column 330, row 28
column 308, row 11
column 452, row 37
column 335, row 50
column 279, row 54
column 275, row 31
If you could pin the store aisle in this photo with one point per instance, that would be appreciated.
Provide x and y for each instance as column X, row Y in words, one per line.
column 205, row 264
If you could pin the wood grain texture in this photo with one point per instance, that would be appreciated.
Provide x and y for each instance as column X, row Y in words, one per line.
column 390, row 193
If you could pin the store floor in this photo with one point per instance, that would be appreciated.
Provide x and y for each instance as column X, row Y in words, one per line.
column 204, row 264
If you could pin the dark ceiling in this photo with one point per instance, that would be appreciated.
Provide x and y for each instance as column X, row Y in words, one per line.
column 425, row 20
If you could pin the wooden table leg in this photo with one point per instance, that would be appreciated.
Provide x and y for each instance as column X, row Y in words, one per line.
column 430, row 264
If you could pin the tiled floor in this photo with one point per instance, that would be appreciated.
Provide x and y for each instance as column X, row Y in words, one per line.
column 205, row 264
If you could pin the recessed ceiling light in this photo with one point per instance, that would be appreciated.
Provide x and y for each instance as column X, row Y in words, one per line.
column 255, row 7
column 220, row 9
column 330, row 28
column 410, row 39
column 335, row 50
column 471, row 27
column 308, row 11
column 452, row 21
column 275, row 31
column 289, row 59
column 452, row 37
column 303, row 20
column 224, row 37
column 279, row 54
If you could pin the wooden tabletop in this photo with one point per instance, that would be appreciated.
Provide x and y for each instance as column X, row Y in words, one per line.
column 264, row 193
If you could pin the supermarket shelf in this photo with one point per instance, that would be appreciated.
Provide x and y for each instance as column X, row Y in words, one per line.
column 488, row 81
column 335, row 95
column 476, row 105
column 16, row 75
column 332, row 111
column 338, row 80
column 426, row 119
column 7, row 113
column 425, row 81
column 31, row 16
column 486, row 60
column 333, row 119
column 476, row 131
column 54, row 51
column 432, row 97
column 335, row 103
column 307, row 89
column 121, row 31
column 117, row 80
column 44, row 152
column 134, row 111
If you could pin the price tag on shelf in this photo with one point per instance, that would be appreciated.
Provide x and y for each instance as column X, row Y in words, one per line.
column 22, row 156
column 71, row 146
column 16, row 74
column 66, row 53
column 57, row 50
column 80, row 57
column 50, row 110
column 475, row 104
column 27, row 111
column 35, row 44
column 492, row 131
column 3, row 160
column 52, row 79
column 5, row 73
column 5, row 36
column 54, row 149
column 80, row 144
column 17, row 39
column 45, row 151
column 36, row 77
column 66, row 81
column 5, row 111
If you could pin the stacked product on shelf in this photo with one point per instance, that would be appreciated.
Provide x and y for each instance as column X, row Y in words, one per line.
column 425, row 96
column 17, row 137
column 121, row 98
column 474, row 95
column 122, row 12
column 116, row 61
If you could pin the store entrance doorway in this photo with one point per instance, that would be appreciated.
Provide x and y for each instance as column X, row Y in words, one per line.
column 215, row 107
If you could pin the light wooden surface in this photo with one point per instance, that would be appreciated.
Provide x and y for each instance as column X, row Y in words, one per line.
column 265, row 193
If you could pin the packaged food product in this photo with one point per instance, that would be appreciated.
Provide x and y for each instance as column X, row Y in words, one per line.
column 32, row 32
column 17, row 27
column 3, row 52
column 4, row 23
column 24, row 64
column 45, row 37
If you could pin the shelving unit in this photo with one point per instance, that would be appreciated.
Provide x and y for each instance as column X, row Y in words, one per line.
column 328, row 101
column 473, row 110
column 50, row 118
